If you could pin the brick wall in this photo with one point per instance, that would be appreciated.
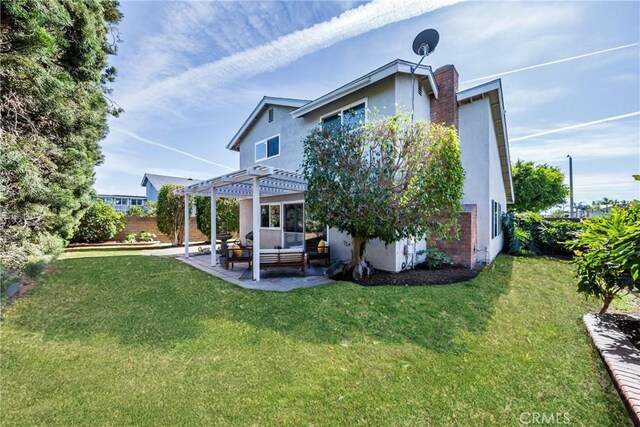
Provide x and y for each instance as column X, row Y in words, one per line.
column 445, row 108
column 136, row 224
column 463, row 250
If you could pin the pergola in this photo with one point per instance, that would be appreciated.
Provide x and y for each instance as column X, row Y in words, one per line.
column 253, row 182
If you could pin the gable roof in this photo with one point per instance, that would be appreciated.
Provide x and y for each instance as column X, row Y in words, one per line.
column 264, row 102
column 393, row 67
column 158, row 181
column 493, row 91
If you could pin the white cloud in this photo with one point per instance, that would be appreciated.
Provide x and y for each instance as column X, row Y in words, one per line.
column 589, row 187
column 195, row 84
column 521, row 99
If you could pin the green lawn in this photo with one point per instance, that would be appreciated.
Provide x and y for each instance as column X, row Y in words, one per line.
column 129, row 339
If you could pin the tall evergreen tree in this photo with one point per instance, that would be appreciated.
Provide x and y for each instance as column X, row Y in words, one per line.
column 54, row 109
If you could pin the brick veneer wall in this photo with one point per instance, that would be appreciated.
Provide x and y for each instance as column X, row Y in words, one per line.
column 136, row 224
column 463, row 250
column 445, row 108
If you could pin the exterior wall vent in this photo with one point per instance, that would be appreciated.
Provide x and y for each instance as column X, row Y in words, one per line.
column 420, row 89
column 270, row 115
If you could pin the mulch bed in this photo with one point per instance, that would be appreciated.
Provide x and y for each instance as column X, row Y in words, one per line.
column 417, row 277
column 630, row 327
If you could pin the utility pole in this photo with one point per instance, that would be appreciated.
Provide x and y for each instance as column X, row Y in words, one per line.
column 570, row 186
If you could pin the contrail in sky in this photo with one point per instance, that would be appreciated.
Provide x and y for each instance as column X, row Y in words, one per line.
column 198, row 81
column 166, row 147
column 577, row 126
column 558, row 61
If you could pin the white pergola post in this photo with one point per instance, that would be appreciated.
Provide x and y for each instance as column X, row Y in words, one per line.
column 214, row 255
column 256, row 229
column 186, row 226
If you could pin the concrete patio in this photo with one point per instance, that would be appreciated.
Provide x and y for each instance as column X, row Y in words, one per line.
column 278, row 280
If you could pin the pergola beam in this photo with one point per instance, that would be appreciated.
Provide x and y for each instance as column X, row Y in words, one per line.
column 256, row 229
column 253, row 182
column 186, row 226
column 214, row 257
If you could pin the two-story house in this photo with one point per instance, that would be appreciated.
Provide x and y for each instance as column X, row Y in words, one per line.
column 270, row 143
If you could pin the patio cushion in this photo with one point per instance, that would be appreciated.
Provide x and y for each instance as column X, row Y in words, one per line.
column 237, row 250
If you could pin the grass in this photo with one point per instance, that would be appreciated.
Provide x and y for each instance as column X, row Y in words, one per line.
column 123, row 340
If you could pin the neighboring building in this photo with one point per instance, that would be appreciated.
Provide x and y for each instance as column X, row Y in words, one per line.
column 121, row 202
column 153, row 183
column 271, row 153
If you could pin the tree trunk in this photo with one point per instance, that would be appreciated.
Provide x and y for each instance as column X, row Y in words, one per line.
column 358, row 265
column 607, row 301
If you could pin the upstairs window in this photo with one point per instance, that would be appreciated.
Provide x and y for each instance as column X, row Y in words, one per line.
column 352, row 116
column 332, row 122
column 268, row 148
column 122, row 202
column 137, row 202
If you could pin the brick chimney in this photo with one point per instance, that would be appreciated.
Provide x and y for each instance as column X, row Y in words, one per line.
column 445, row 108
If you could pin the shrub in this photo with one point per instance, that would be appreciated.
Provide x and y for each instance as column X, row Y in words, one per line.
column 608, row 255
column 146, row 237
column 556, row 235
column 99, row 223
column 528, row 233
column 150, row 209
column 136, row 211
column 130, row 238
column 434, row 259
column 521, row 232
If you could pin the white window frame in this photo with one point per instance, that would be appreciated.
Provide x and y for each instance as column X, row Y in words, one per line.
column 264, row 141
column 340, row 111
column 280, row 222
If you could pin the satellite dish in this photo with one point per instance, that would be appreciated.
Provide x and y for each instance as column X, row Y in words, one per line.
column 425, row 42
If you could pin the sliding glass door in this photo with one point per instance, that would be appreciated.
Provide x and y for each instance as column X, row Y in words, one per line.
column 293, row 230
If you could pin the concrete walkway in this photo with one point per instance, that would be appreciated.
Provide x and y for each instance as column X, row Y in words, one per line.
column 278, row 284
column 286, row 280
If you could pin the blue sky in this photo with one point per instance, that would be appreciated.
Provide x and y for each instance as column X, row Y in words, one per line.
column 189, row 73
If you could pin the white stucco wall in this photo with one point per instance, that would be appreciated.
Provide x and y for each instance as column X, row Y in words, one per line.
column 404, row 86
column 291, row 133
column 474, row 148
column 483, row 180
column 268, row 237
column 496, row 191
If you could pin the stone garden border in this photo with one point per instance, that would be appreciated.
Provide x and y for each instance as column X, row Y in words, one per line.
column 620, row 356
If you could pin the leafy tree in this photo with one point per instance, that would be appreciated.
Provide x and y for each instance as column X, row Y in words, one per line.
column 99, row 223
column 537, row 187
column 388, row 179
column 54, row 110
column 227, row 212
column 608, row 254
column 170, row 213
